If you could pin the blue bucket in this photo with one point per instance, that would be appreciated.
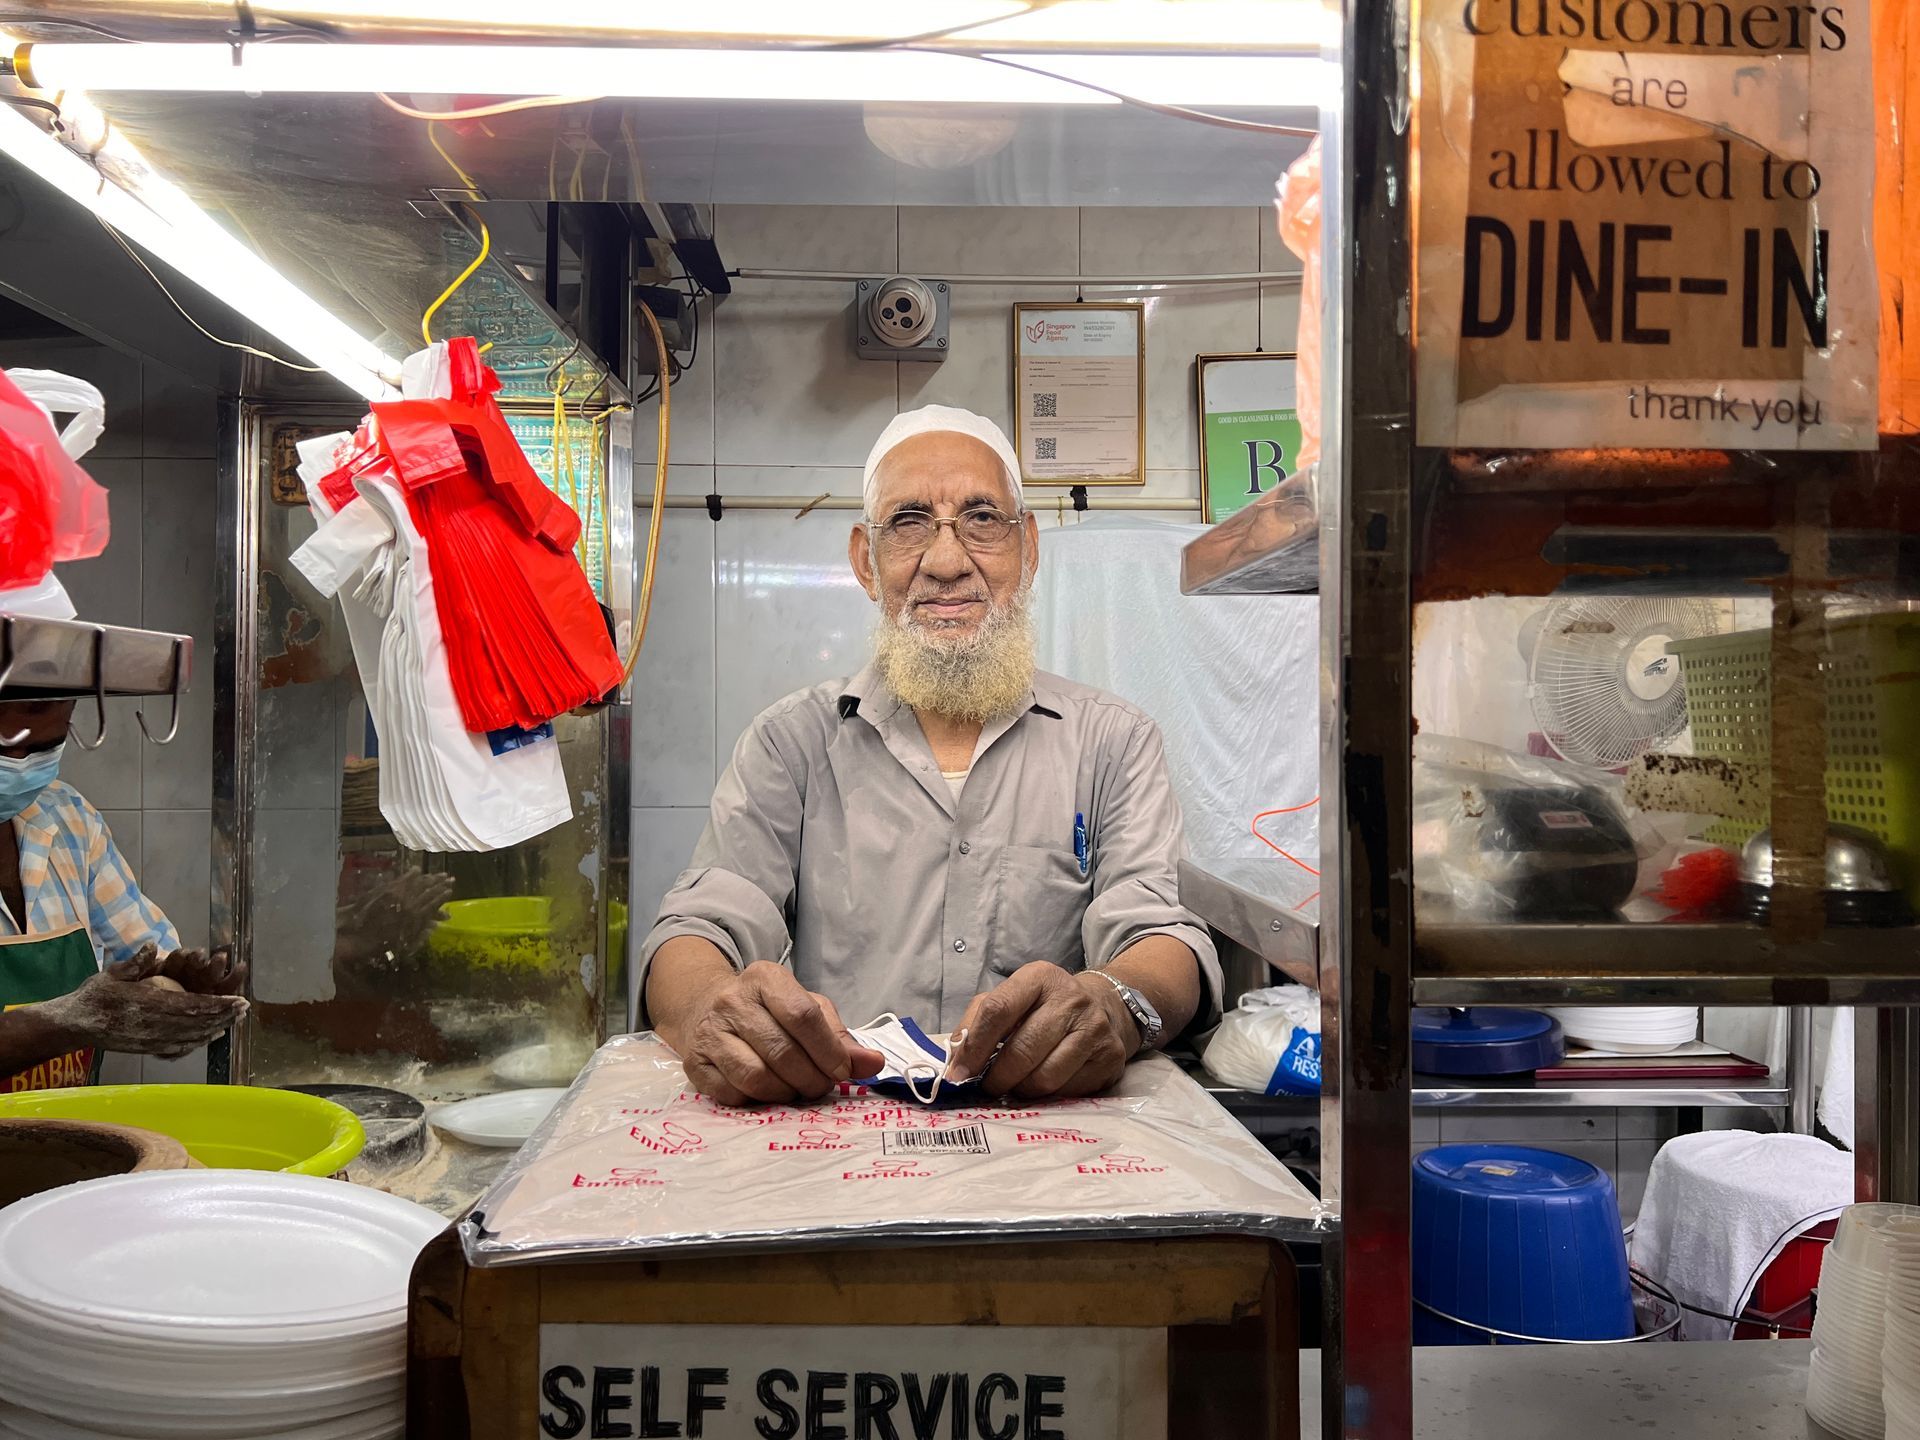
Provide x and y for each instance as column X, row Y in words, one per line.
column 1518, row 1240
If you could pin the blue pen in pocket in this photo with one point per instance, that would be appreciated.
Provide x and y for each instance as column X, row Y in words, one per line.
column 1080, row 841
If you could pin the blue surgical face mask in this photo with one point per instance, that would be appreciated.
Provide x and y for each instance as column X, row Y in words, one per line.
column 22, row 780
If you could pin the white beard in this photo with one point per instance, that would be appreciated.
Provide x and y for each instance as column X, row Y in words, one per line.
column 981, row 677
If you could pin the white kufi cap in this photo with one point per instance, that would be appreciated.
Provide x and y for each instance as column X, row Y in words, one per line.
column 928, row 419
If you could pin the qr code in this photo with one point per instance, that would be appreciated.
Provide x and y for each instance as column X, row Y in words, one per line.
column 1046, row 407
column 1046, row 447
column 960, row 1140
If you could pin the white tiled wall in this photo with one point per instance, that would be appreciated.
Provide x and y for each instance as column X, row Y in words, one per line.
column 156, row 460
column 776, row 404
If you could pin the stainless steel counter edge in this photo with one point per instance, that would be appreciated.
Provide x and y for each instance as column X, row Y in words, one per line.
column 1285, row 939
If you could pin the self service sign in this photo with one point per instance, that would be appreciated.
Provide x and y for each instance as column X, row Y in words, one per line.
column 804, row 1382
column 1646, row 223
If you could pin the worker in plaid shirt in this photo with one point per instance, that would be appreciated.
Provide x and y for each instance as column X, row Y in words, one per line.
column 87, row 963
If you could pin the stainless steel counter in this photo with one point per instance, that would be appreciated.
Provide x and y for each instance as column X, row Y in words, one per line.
column 1739, row 1390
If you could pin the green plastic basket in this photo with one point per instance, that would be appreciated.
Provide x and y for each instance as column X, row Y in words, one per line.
column 1872, row 670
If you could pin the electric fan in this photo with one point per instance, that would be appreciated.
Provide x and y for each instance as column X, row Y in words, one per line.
column 1604, row 689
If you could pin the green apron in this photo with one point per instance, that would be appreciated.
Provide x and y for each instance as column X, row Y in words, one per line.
column 34, row 968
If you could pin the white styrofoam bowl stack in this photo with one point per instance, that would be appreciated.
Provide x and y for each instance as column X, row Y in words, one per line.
column 1629, row 1029
column 1845, row 1380
column 206, row 1305
column 1900, row 1359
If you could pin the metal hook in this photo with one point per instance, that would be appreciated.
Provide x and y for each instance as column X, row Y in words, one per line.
column 6, row 672
column 807, row 509
column 99, row 692
column 553, row 373
column 173, row 728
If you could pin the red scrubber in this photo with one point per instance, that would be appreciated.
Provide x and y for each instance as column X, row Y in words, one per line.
column 1700, row 882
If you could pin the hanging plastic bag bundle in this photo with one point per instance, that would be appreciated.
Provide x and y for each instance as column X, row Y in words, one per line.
column 50, row 509
column 524, row 635
column 442, row 787
column 1269, row 1043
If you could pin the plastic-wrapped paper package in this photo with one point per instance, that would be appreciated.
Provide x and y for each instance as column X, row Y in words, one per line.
column 634, row 1162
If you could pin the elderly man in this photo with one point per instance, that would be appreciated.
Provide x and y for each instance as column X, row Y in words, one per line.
column 950, row 835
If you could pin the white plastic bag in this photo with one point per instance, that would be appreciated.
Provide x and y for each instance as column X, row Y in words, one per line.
column 1269, row 1043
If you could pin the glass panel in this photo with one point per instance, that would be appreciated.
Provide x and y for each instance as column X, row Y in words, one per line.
column 443, row 975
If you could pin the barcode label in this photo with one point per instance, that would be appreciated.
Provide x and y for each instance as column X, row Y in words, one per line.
column 1046, row 447
column 1046, row 407
column 960, row 1140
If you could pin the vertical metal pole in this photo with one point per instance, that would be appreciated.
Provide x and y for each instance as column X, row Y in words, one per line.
column 1800, row 1069
column 1886, row 1141
column 1367, row 475
column 236, row 690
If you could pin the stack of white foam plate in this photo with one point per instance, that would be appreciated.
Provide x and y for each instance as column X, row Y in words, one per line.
column 1630, row 1030
column 1900, row 1359
column 206, row 1305
column 1844, row 1377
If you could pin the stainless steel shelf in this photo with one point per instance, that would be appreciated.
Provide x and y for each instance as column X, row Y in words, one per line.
column 1433, row 1092
column 1248, row 902
column 62, row 658
column 1624, row 963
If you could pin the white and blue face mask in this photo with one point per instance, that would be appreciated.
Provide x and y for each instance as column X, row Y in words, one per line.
column 22, row 780
column 915, row 1061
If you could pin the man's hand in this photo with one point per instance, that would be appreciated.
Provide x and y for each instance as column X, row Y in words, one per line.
column 198, row 973
column 114, row 1011
column 761, row 1036
column 1064, row 1033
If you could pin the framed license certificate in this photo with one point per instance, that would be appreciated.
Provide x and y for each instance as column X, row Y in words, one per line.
column 1249, row 431
column 1080, row 393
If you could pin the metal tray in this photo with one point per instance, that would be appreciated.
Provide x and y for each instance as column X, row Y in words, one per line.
column 55, row 659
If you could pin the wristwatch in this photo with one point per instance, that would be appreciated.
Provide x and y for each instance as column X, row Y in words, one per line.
column 1141, row 1008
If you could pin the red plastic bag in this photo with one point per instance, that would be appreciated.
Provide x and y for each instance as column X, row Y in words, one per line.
column 50, row 509
column 524, row 635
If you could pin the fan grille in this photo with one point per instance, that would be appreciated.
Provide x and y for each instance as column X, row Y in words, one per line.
column 1604, row 689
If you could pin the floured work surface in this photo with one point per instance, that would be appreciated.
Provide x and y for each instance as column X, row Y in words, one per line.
column 634, row 1161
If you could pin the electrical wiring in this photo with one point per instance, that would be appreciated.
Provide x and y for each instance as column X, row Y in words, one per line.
column 659, row 497
column 134, row 255
column 482, row 112
column 1286, row 855
column 1177, row 112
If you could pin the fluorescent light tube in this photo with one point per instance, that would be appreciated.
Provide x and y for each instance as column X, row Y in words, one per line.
column 817, row 20
column 480, row 69
column 1243, row 25
column 166, row 223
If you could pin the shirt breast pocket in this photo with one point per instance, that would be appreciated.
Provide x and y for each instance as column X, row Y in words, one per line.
column 1042, row 899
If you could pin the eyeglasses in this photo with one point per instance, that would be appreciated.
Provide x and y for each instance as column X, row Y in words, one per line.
column 912, row 532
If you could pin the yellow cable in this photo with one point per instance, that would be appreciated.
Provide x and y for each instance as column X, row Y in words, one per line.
column 659, row 494
column 486, row 241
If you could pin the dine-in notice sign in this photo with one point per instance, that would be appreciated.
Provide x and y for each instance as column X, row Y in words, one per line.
column 1646, row 223
column 879, row 1382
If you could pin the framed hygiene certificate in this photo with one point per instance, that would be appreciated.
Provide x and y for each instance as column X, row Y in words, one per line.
column 1080, row 393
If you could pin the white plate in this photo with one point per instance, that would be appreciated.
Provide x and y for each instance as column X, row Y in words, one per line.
column 541, row 1065
column 506, row 1119
column 226, row 1250
column 383, row 1423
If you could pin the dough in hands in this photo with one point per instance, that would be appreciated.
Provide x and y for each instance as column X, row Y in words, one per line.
column 165, row 982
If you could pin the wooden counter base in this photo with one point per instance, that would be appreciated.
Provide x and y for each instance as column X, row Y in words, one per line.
column 1227, row 1304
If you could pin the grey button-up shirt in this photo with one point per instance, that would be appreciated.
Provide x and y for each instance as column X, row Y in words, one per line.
column 835, row 843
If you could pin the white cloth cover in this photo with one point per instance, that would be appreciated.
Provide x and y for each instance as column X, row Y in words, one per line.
column 1233, row 682
column 634, row 1161
column 1722, row 1204
column 928, row 419
column 442, row 788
